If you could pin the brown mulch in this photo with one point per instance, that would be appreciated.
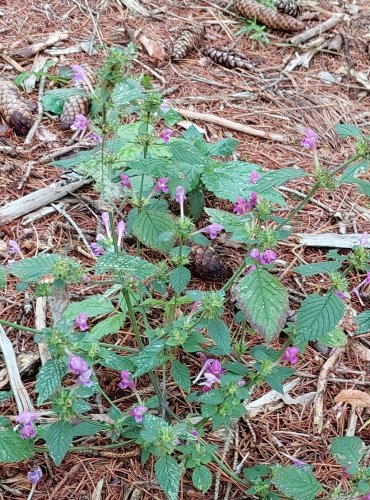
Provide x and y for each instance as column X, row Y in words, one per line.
column 285, row 105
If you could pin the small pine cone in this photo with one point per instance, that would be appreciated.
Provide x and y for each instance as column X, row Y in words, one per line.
column 290, row 7
column 77, row 104
column 188, row 40
column 207, row 265
column 269, row 17
column 14, row 108
column 226, row 58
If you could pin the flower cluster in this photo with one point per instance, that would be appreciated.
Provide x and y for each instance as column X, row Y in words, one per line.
column 80, row 123
column 266, row 257
column 78, row 366
column 120, row 229
column 78, row 73
column 81, row 322
column 212, row 230
column 126, row 381
column 291, row 355
column 161, row 185
column 243, row 206
column 211, row 371
column 137, row 412
column 166, row 135
column 309, row 140
column 26, row 419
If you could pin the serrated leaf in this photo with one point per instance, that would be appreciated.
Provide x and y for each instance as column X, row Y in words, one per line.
column 183, row 152
column 298, row 483
column 13, row 448
column 273, row 179
column 172, row 117
column 335, row 338
column 181, row 374
column 151, row 428
column 318, row 315
column 277, row 376
column 196, row 203
column 202, row 478
column 224, row 147
column 348, row 130
column 151, row 356
column 92, row 306
column 3, row 277
column 116, row 361
column 34, row 268
column 179, row 279
column 350, row 173
column 348, row 452
column 264, row 302
column 363, row 321
column 49, row 378
column 128, row 264
column 4, row 396
column 150, row 226
column 156, row 167
column 363, row 186
column 318, row 268
column 59, row 438
column 168, row 474
column 220, row 334
column 88, row 428
column 107, row 326
column 127, row 91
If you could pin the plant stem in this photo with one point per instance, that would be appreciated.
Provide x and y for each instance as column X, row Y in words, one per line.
column 131, row 313
column 18, row 327
column 118, row 347
column 105, row 396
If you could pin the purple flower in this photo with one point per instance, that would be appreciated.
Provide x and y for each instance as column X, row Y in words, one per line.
column 96, row 249
column 252, row 201
column 213, row 230
column 84, row 378
column 121, row 231
column 137, row 413
column 26, row 417
column 341, row 295
column 164, row 106
column 161, row 185
column 106, row 222
column 267, row 257
column 80, row 123
column 241, row 383
column 81, row 322
column 291, row 355
column 210, row 380
column 79, row 74
column 240, row 207
column 125, row 181
column 250, row 269
column 14, row 248
column 126, row 383
column 214, row 367
column 194, row 433
column 366, row 281
column 299, row 463
column 309, row 139
column 35, row 475
column 364, row 240
column 254, row 177
column 77, row 365
column 28, row 432
column 180, row 196
column 95, row 137
column 166, row 134
column 255, row 254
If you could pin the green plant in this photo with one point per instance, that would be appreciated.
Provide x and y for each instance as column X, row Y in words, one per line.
column 257, row 32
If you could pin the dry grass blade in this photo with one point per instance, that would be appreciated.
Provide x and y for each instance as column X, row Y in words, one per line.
column 354, row 397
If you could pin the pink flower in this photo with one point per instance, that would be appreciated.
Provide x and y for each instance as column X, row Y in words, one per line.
column 309, row 139
column 214, row 367
column 106, row 222
column 250, row 269
column 365, row 282
column 341, row 295
column 267, row 257
column 164, row 106
column 96, row 249
column 254, row 177
column 252, row 201
column 241, row 383
column 255, row 254
column 166, row 134
column 291, row 355
column 161, row 185
column 212, row 230
column 14, row 248
column 126, row 382
column 84, row 378
column 180, row 196
column 194, row 433
column 80, row 123
column 79, row 74
column 241, row 206
column 137, row 412
column 125, row 181
column 35, row 475
column 210, row 380
column 77, row 365
column 95, row 137
column 27, row 418
column 28, row 432
column 81, row 322
column 121, row 231
column 364, row 240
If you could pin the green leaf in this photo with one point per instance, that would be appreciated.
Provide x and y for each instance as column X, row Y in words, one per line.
column 181, row 374
column 272, row 179
column 183, row 152
column 220, row 334
column 264, row 302
column 3, row 277
column 179, row 278
column 348, row 452
column 225, row 147
column 156, row 167
column 172, row 117
column 353, row 171
column 335, row 338
column 107, row 326
column 128, row 264
column 151, row 429
column 53, row 100
column 34, row 268
column 168, row 473
column 196, row 203
column 363, row 321
column 348, row 130
column 297, row 483
column 318, row 315
column 88, row 428
column 277, row 376
column 93, row 306
column 150, row 226
column 4, row 396
column 116, row 361
column 59, row 438
column 202, row 478
column 13, row 448
column 127, row 91
column 363, row 186
column 49, row 378
column 151, row 356
column 318, row 268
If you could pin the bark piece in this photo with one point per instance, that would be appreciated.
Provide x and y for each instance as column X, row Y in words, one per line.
column 289, row 7
column 226, row 58
column 33, row 49
column 188, row 40
column 14, row 108
column 207, row 265
column 269, row 17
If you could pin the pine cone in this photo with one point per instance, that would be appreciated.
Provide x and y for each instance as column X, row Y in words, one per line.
column 290, row 7
column 77, row 104
column 227, row 58
column 269, row 17
column 188, row 40
column 207, row 265
column 14, row 108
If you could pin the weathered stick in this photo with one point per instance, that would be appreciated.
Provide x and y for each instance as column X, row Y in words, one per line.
column 33, row 49
column 38, row 199
column 317, row 30
column 40, row 111
column 40, row 324
column 11, row 61
column 223, row 122
column 331, row 240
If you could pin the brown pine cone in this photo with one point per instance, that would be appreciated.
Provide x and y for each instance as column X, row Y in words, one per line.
column 207, row 265
column 269, row 17
column 290, row 7
column 227, row 58
column 14, row 108
column 188, row 40
column 77, row 104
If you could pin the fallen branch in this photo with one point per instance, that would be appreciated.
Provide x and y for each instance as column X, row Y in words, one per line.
column 317, row 30
column 31, row 50
column 135, row 7
column 40, row 111
column 223, row 122
column 331, row 240
column 12, row 63
column 40, row 324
